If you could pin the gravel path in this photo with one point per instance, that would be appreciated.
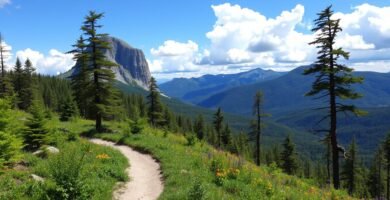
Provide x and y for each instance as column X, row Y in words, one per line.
column 145, row 175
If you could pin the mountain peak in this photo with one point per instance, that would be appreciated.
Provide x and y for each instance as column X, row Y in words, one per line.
column 133, row 68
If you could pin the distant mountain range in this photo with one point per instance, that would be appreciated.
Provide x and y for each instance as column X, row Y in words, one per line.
column 196, row 90
column 287, row 93
column 284, row 98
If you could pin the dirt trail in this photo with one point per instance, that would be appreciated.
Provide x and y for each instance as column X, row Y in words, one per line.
column 145, row 175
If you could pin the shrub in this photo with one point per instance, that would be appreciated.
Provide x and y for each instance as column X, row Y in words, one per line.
column 10, row 144
column 197, row 191
column 65, row 169
column 137, row 126
column 191, row 139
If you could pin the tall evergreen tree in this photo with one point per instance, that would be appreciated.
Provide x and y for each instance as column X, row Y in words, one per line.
column 105, row 96
column 155, row 109
column 257, row 126
column 199, row 127
column 386, row 149
column 28, row 85
column 226, row 137
column 218, row 125
column 18, row 77
column 351, row 168
column 80, row 81
column 333, row 80
column 288, row 157
column 6, row 89
column 375, row 182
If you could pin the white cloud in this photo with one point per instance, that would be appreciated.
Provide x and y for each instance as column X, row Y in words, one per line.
column 52, row 64
column 7, row 55
column 242, row 38
column 174, row 56
column 4, row 2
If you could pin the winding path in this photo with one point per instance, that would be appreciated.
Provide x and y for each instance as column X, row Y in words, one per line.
column 145, row 175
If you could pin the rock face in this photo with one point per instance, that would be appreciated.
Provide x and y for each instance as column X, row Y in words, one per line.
column 133, row 67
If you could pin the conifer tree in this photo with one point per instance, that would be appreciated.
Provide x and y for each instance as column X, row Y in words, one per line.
column 6, row 89
column 333, row 80
column 68, row 110
column 10, row 142
column 18, row 77
column 257, row 126
column 199, row 127
column 155, row 109
column 28, row 86
column 80, row 81
column 218, row 125
column 386, row 149
column 105, row 96
column 351, row 168
column 288, row 157
column 226, row 137
column 35, row 133
column 375, row 182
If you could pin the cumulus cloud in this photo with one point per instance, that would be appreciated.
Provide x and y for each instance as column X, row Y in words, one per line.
column 7, row 55
column 242, row 38
column 4, row 3
column 174, row 56
column 53, row 63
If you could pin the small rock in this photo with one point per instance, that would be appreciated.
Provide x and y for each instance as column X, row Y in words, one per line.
column 39, row 152
column 37, row 178
column 52, row 150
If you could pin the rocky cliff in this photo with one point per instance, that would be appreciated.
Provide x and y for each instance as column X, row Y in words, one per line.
column 133, row 67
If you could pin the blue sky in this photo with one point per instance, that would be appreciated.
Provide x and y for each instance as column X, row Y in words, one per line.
column 47, row 28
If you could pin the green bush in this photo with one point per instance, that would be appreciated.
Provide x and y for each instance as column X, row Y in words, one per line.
column 10, row 143
column 197, row 191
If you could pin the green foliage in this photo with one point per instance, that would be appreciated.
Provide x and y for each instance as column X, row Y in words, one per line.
column 155, row 109
column 35, row 132
column 218, row 123
column 333, row 80
column 137, row 126
column 197, row 192
column 98, row 69
column 288, row 157
column 68, row 110
column 10, row 143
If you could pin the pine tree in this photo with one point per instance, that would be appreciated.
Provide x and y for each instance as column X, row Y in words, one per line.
column 258, row 113
column 68, row 110
column 218, row 125
column 288, row 157
column 105, row 97
column 6, row 90
column 80, row 81
column 386, row 149
column 155, row 109
column 199, row 127
column 28, row 86
column 333, row 80
column 226, row 137
column 35, row 133
column 10, row 143
column 351, row 168
column 375, row 182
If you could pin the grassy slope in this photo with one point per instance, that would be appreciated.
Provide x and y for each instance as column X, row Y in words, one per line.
column 183, row 166
column 99, row 175
column 274, row 133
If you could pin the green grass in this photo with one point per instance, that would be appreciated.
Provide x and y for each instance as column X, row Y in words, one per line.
column 202, row 171
column 80, row 171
